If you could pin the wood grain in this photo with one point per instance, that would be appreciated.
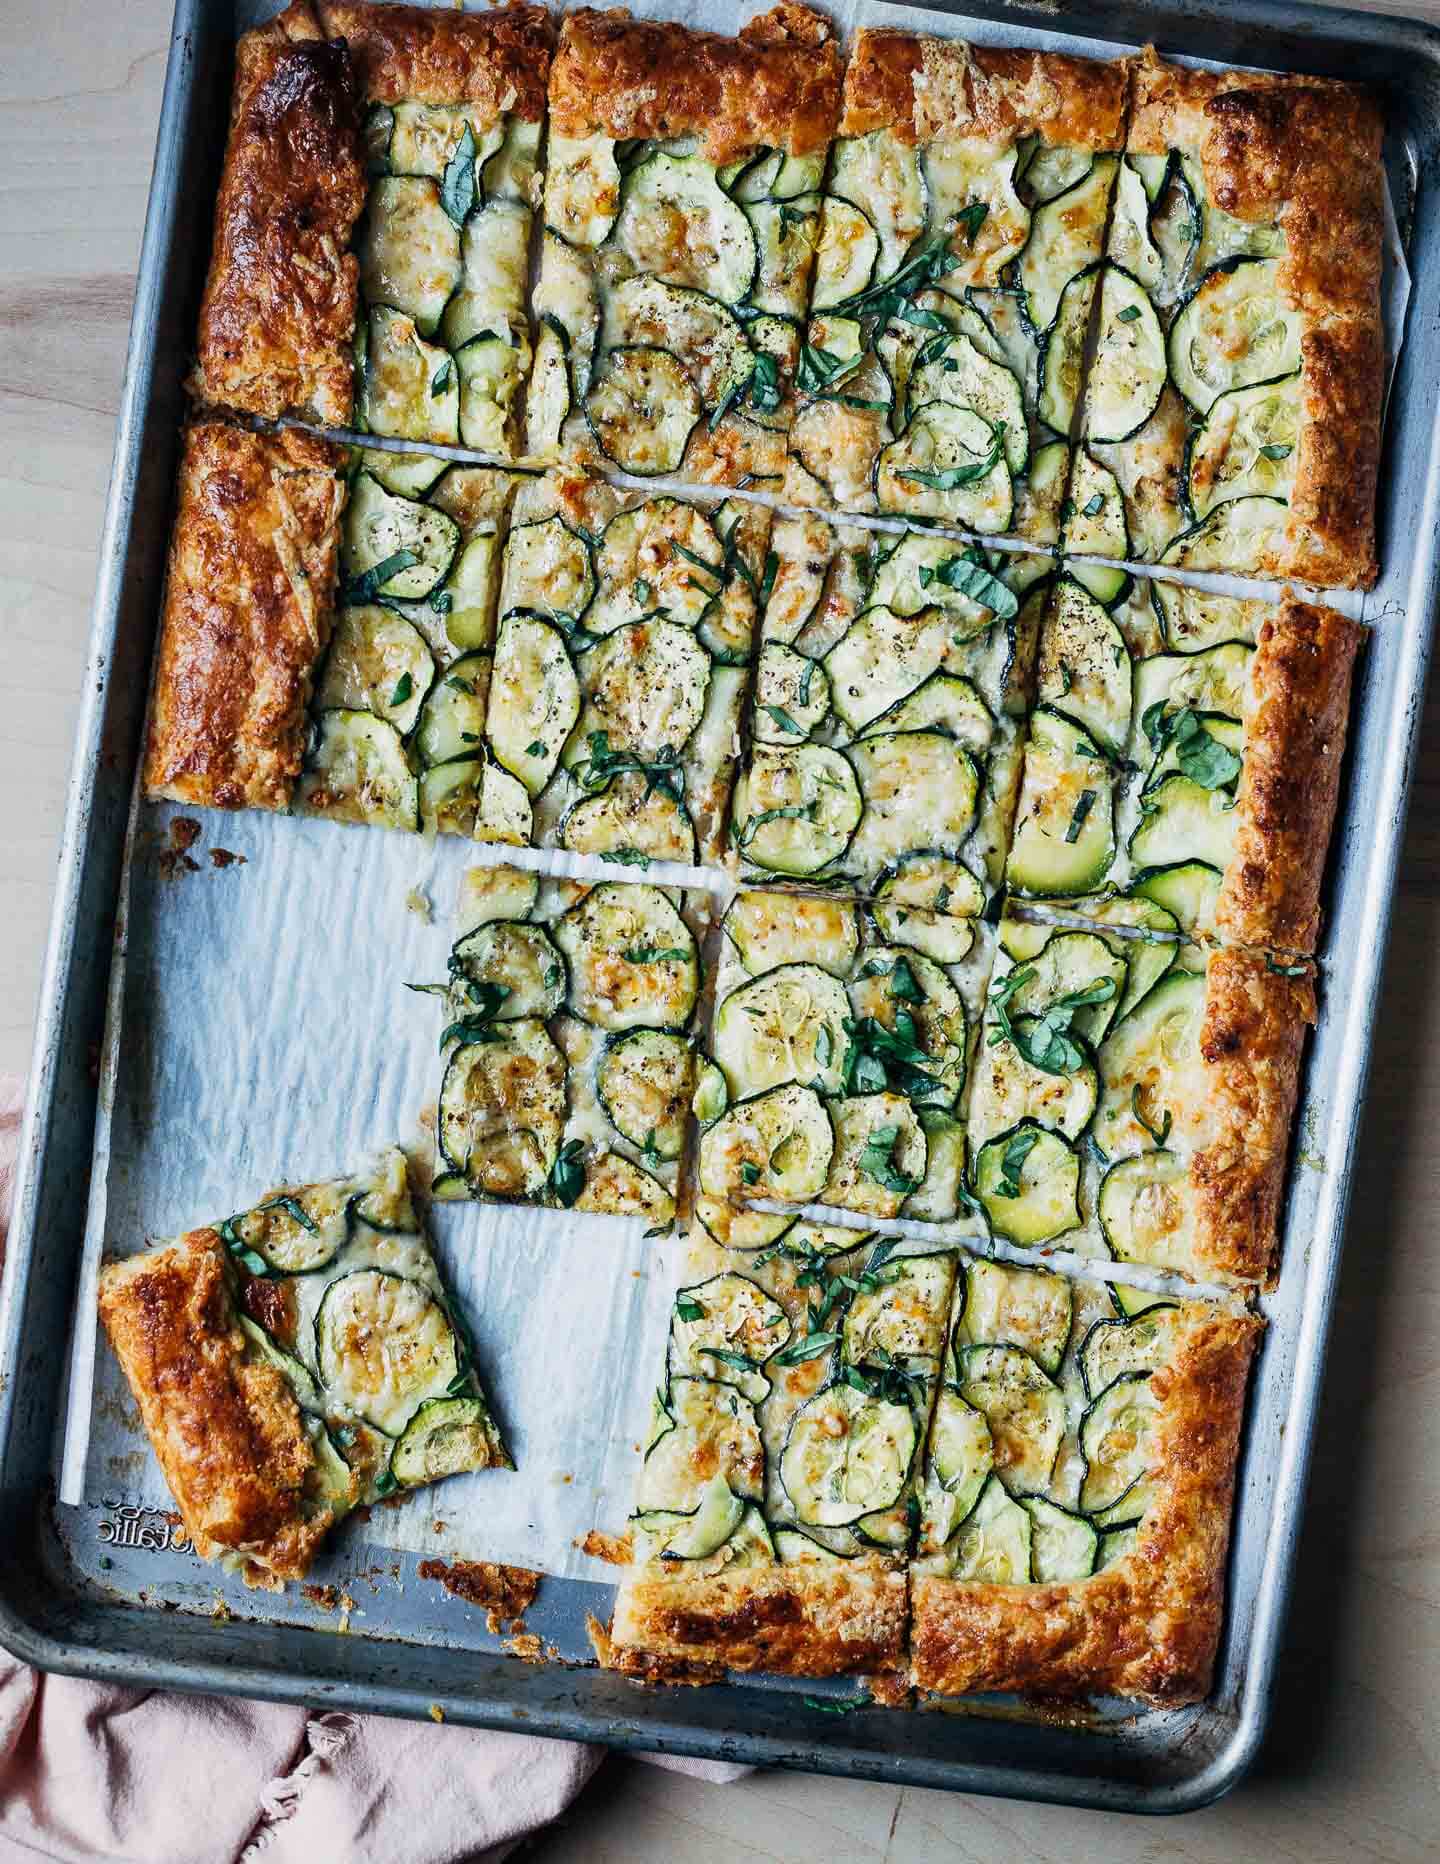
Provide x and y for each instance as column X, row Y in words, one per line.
column 1351, row 1772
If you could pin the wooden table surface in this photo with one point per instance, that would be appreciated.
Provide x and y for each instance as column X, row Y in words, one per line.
column 1351, row 1770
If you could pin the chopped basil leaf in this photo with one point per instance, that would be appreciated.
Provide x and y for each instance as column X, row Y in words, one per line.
column 363, row 588
column 440, row 381
column 968, row 576
column 1085, row 802
column 688, row 1309
column 947, row 478
column 404, row 686
column 567, row 1175
column 626, row 857
column 1161, row 1133
column 1093, row 505
column 1012, row 1160
column 1129, row 314
column 750, row 1172
column 877, row 1164
column 1276, row 451
column 385, row 1482
column 811, row 1346
column 458, row 192
column 654, row 954
column 783, row 719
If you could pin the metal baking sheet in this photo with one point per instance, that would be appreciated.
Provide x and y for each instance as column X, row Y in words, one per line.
column 78, row 1597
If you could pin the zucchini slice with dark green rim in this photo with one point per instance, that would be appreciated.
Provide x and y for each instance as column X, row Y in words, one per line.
column 1030, row 1187
column 992, row 1546
column 881, row 174
column 1246, row 446
column 715, row 1433
column 1011, row 1090
column 304, row 1390
column 468, row 622
column 1115, row 1441
column 703, row 335
column 534, row 699
column 505, row 814
column 921, row 790
column 846, row 253
column 502, row 1110
column 491, row 369
column 795, row 810
column 300, row 1228
column 547, row 571
column 644, row 566
column 964, row 375
column 409, row 250
column 907, row 581
column 1006, row 1305
column 1129, row 243
column 879, row 660
column 711, row 1096
column 357, row 771
column 1233, row 330
column 778, row 1144
column 1215, row 680
column 900, row 1321
column 642, row 410
column 407, row 475
column 837, row 445
column 515, row 956
column 615, row 1186
column 1064, row 840
column 567, row 303
column 1144, row 1062
column 949, row 464
column 1146, row 1211
column 644, row 1081
column 1047, row 169
column 1097, row 525
column 770, row 929
column 582, row 187
column 788, row 1025
column 447, row 1437
column 646, row 685
column 1127, row 376
column 1066, row 235
column 678, row 224
column 629, row 814
column 1113, row 1347
column 1062, row 354
column 697, row 1533
column 376, row 662
column 1084, row 668
column 452, row 720
column 963, row 172
column 846, row 1455
column 930, row 902
column 490, row 893
column 961, row 1453
column 1183, row 821
column 1023, row 1407
column 946, row 702
column 1062, row 1545
column 1131, row 1302
column 409, row 388
column 490, row 298
column 1073, row 962
column 882, row 1154
column 742, row 1230
column 548, row 397
column 892, row 982
column 792, row 695
column 1189, row 890
column 632, row 958
column 450, row 797
column 725, row 1328
column 423, row 139
column 783, row 230
column 413, row 542
column 1241, row 534
column 382, row 1344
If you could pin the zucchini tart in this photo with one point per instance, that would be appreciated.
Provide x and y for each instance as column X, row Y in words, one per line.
column 297, row 1360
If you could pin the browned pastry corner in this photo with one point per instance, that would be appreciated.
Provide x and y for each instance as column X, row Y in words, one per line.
column 1148, row 1626
column 227, row 1431
column 248, row 598
column 497, row 62
column 776, row 86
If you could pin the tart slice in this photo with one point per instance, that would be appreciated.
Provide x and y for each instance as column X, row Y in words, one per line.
column 296, row 1360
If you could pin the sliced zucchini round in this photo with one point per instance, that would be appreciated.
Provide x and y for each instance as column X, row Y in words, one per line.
column 992, row 1546
column 644, row 1081
column 495, row 253
column 921, row 790
column 1129, row 242
column 547, row 399
column 777, row 1145
column 1073, row 962
column 408, row 475
column 502, row 1110
column 1009, row 1089
column 703, row 335
column 630, row 814
column 1062, row 1545
column 646, row 563
column 908, row 580
column 646, row 684
column 1113, row 1347
column 711, row 1096
column 1062, row 354
column 642, row 410
column 534, row 699
column 690, row 1534
column 770, row 929
column 382, row 1344
column 1006, row 1305
column 788, row 1025
column 409, row 389
column 298, row 1230
column 1031, row 1191
column 792, row 695
column 949, row 464
column 893, row 983
column 1216, row 680
column 1183, row 821
column 632, row 958
column 946, row 702
column 901, row 1320
column 547, row 571
column 616, row 1186
column 446, row 1437
column 846, row 254
column 1084, row 666
column 1048, row 169
column 488, row 893
column 1097, row 526
column 880, row 659
column 715, row 1434
column 295, row 1373
column 1246, row 447
column 513, row 957
column 357, row 771
column 725, row 1329
column 452, row 721
column 450, row 797
column 1064, row 839
column 425, row 138
column 837, row 445
column 1115, row 1440
column 376, row 662
column 582, row 186
column 1146, row 1211
column 795, row 810
column 743, row 1230
column 1150, row 1065
column 881, row 1154
column 1240, row 535
column 882, row 174
column 395, row 547
column 961, row 1454
column 1188, row 889
column 1233, row 330
column 1023, row 1407
column 1066, row 234
column 963, row 374
column 846, row 1455
column 491, row 368
column 677, row 223
column 505, row 814
column 409, row 250
column 930, row 903
column 1127, row 376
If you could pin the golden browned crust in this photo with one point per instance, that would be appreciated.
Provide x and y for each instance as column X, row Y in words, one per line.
column 1251, row 1040
column 818, row 1620
column 921, row 88
column 496, row 62
column 1304, row 153
column 776, row 86
column 1147, row 1627
column 1294, row 746
column 279, row 308
column 247, row 614
column 227, row 1432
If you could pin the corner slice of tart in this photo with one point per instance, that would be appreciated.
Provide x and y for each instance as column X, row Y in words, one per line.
column 1235, row 394
column 569, row 1043
column 961, row 229
column 1132, row 1094
column 622, row 656
column 296, row 1360
column 681, row 210
column 776, row 1500
column 1078, row 1480
column 1184, row 756
column 886, row 718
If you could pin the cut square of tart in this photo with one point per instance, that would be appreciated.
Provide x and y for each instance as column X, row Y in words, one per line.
column 1184, row 757
column 1075, row 1510
column 1132, row 1095
column 886, row 722
column 776, row 1500
column 569, row 1043
column 838, row 1052
column 297, row 1360
column 681, row 200
column 398, row 712
column 961, row 229
column 246, row 615
column 621, row 663
column 415, row 129
column 1235, row 395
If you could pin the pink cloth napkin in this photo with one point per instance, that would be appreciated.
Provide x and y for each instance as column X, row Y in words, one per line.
column 88, row 1772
